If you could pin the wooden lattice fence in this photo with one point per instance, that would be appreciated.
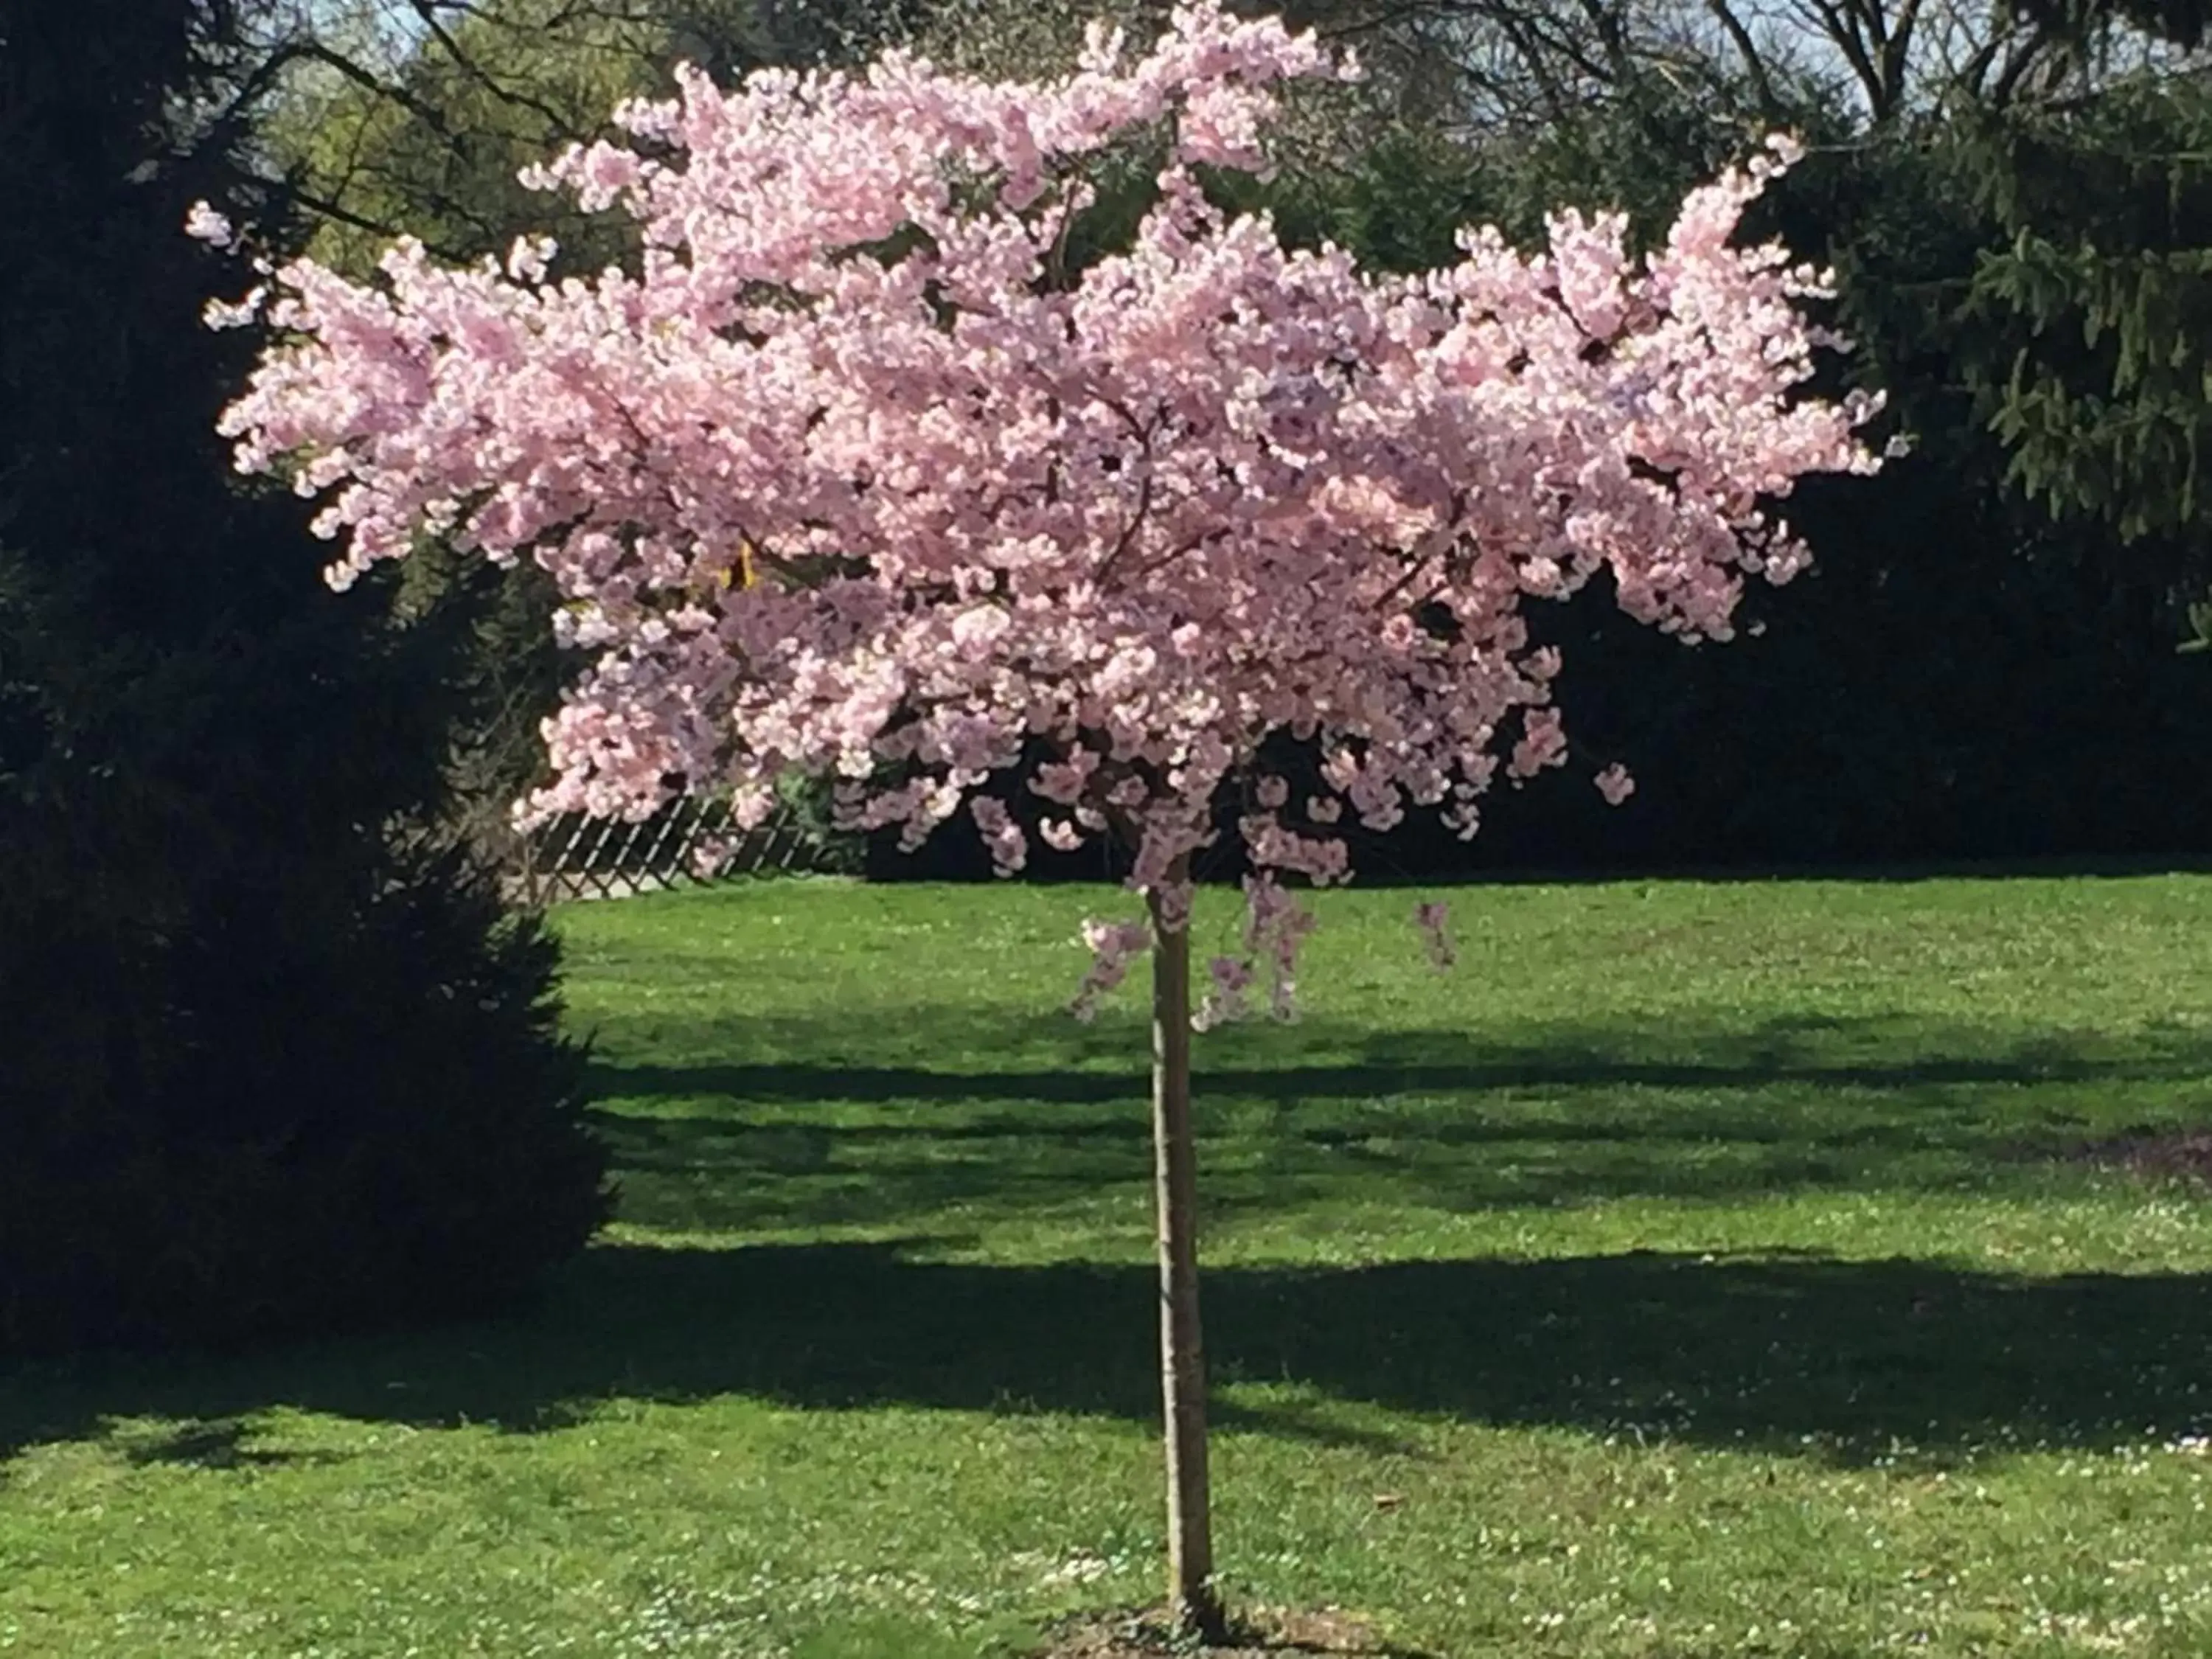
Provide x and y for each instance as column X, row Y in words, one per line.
column 579, row 857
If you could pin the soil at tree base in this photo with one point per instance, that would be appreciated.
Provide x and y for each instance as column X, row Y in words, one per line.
column 1256, row 1634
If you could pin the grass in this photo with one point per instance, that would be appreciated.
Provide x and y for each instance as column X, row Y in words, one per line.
column 1697, row 1270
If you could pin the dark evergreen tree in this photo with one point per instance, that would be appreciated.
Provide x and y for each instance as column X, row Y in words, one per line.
column 271, row 1056
column 2103, row 288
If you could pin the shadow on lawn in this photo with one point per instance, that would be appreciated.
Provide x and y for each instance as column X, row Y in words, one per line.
column 1060, row 1064
column 1761, row 1351
column 711, row 1174
column 1449, row 1120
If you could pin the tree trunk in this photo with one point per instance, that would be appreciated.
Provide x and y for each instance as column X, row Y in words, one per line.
column 1191, row 1596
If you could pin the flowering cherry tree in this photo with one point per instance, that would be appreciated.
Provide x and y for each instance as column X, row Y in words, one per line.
column 849, row 471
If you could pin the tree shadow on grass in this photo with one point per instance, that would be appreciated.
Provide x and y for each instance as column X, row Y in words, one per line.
column 1446, row 1121
column 1798, row 1355
column 1761, row 1351
column 806, row 1082
column 222, row 1443
column 1058, row 1063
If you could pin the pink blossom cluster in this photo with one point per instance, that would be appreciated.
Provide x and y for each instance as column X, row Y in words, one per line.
column 1433, row 918
column 850, row 473
column 1113, row 946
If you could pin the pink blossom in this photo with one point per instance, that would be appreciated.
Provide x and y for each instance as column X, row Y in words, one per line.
column 1065, row 781
column 203, row 223
column 1108, row 534
column 711, row 855
column 1230, row 978
column 1615, row 784
column 235, row 313
column 1432, row 917
column 1275, row 927
column 1543, row 742
column 1113, row 945
column 1009, row 846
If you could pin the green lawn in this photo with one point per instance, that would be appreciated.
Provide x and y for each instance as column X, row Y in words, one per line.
column 1694, row 1270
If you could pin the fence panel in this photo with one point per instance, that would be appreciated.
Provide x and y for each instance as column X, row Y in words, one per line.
column 579, row 857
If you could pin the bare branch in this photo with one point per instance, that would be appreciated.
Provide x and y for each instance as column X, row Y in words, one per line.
column 340, row 214
column 427, row 10
column 428, row 113
column 1754, row 61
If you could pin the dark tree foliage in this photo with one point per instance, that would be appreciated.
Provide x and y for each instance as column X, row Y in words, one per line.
column 2100, row 299
column 2081, row 22
column 271, row 1057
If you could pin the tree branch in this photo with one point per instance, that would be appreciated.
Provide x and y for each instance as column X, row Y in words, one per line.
column 427, row 10
column 1754, row 61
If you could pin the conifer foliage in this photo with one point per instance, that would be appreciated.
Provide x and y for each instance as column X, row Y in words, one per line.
column 271, row 1058
column 2104, row 298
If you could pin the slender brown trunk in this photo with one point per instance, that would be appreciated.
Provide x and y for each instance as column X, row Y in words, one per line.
column 1191, row 1595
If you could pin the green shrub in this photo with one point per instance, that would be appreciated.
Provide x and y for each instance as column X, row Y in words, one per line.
column 271, row 1056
